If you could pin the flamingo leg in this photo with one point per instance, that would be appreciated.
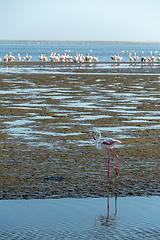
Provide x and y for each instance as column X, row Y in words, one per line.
column 108, row 160
column 116, row 159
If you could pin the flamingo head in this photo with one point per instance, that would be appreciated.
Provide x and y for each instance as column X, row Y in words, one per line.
column 95, row 135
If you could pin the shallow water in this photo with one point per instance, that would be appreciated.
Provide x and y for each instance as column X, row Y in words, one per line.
column 90, row 218
column 102, row 50
column 82, row 101
column 85, row 68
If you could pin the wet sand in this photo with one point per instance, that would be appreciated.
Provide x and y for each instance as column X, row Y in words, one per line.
column 47, row 125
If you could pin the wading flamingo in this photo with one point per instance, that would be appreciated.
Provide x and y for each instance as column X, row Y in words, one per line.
column 19, row 57
column 107, row 144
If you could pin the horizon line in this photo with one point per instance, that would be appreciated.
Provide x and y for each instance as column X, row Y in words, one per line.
column 100, row 41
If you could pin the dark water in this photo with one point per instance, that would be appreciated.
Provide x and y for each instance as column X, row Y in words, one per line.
column 102, row 50
column 91, row 218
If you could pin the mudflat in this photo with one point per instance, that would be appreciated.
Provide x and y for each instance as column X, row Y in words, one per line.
column 47, row 125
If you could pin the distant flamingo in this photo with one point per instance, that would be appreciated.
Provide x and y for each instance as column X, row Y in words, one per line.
column 135, row 57
column 6, row 58
column 158, row 58
column 152, row 58
column 28, row 57
column 18, row 57
column 131, row 58
column 11, row 58
column 114, row 57
column 88, row 57
column 95, row 59
column 108, row 144
column 119, row 58
column 41, row 57
column 44, row 58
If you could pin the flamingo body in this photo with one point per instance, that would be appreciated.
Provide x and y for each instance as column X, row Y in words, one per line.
column 107, row 144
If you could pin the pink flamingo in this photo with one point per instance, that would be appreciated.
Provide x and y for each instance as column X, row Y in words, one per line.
column 108, row 144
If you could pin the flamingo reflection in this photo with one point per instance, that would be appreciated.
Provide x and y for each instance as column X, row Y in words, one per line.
column 109, row 219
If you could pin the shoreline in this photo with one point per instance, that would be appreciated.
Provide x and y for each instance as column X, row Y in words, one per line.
column 82, row 41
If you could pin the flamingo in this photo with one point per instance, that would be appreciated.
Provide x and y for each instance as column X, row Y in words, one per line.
column 135, row 57
column 6, row 58
column 44, row 58
column 95, row 59
column 145, row 59
column 56, row 58
column 11, row 58
column 114, row 57
column 158, row 58
column 131, row 58
column 108, row 144
column 41, row 57
column 119, row 58
column 76, row 58
column 51, row 55
column 81, row 58
column 18, row 57
column 153, row 58
column 88, row 58
column 28, row 57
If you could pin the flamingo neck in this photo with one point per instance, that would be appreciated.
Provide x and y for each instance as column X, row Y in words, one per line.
column 97, row 141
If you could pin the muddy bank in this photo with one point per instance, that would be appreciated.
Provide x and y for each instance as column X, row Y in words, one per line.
column 47, row 125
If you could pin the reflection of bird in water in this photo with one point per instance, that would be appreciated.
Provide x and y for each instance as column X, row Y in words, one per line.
column 108, row 144
column 108, row 220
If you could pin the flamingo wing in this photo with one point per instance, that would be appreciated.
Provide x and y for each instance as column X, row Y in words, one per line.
column 109, row 143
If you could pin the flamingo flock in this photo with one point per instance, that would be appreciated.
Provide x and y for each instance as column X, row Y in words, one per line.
column 117, row 58
column 11, row 58
column 134, row 57
column 78, row 58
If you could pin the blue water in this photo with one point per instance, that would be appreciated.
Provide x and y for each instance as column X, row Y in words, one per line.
column 102, row 50
column 91, row 218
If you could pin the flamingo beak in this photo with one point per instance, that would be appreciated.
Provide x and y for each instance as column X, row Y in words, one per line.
column 94, row 137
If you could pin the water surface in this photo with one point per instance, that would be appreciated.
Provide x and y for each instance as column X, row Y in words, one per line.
column 91, row 218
